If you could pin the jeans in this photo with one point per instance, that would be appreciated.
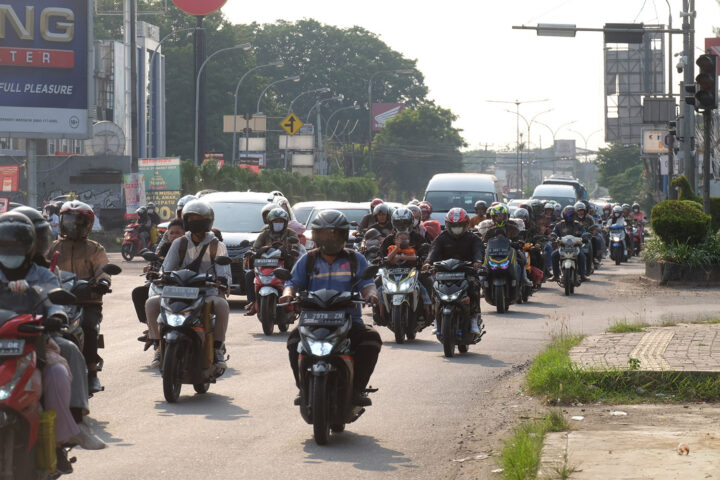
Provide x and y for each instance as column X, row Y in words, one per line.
column 548, row 253
column 556, row 263
column 91, row 319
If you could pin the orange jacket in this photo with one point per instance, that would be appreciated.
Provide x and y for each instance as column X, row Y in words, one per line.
column 85, row 258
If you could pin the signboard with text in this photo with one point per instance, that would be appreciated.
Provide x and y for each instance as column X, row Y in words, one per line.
column 134, row 192
column 162, row 184
column 654, row 141
column 9, row 176
column 45, row 76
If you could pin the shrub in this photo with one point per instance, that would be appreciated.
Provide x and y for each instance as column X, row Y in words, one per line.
column 687, row 193
column 679, row 221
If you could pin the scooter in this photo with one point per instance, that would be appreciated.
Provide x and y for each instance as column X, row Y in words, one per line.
column 401, row 296
column 132, row 243
column 501, row 285
column 268, row 288
column 618, row 249
column 569, row 246
column 27, row 448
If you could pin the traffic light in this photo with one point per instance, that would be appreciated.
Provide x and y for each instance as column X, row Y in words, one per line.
column 707, row 89
column 690, row 95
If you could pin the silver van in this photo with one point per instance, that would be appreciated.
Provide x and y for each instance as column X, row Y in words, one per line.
column 450, row 190
column 562, row 194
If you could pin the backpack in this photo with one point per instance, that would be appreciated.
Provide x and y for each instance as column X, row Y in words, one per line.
column 313, row 255
column 183, row 251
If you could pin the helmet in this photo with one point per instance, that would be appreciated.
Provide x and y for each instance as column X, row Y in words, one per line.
column 480, row 204
column 43, row 231
column 414, row 201
column 549, row 206
column 580, row 206
column 635, row 207
column 202, row 209
column 141, row 212
column 617, row 211
column 375, row 203
column 499, row 215
column 425, row 210
column 403, row 220
column 456, row 221
column 625, row 207
column 425, row 205
column 331, row 230
column 187, row 198
column 266, row 210
column 150, row 205
column 381, row 208
column 557, row 208
column 568, row 213
column 76, row 220
column 278, row 213
column 17, row 240
column 607, row 207
column 417, row 214
column 537, row 207
column 522, row 214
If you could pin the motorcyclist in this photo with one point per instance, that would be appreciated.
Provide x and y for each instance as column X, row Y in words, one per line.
column 480, row 211
column 165, row 241
column 148, row 221
column 433, row 227
column 457, row 242
column 583, row 217
column 568, row 226
column 606, row 212
column 417, row 225
column 636, row 213
column 507, row 227
column 197, row 250
column 382, row 224
column 277, row 231
column 337, row 268
column 369, row 218
column 618, row 218
column 85, row 258
column 528, row 235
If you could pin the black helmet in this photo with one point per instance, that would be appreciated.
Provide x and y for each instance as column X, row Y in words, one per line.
column 402, row 220
column 382, row 208
column 17, row 240
column 522, row 214
column 568, row 213
column 43, row 231
column 330, row 231
column 635, row 207
column 537, row 208
column 204, row 210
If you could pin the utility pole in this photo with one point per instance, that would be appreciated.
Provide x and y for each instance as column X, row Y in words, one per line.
column 133, row 87
column 199, row 84
column 688, row 145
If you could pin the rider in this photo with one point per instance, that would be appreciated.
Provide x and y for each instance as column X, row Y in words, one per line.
column 568, row 226
column 587, row 221
column 336, row 269
column 148, row 220
column 457, row 242
column 433, row 227
column 369, row 218
column 417, row 226
column 480, row 212
column 606, row 212
column 197, row 248
column 507, row 227
column 382, row 224
column 85, row 258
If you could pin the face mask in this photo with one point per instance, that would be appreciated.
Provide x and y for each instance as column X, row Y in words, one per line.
column 197, row 226
column 12, row 262
column 456, row 230
column 278, row 227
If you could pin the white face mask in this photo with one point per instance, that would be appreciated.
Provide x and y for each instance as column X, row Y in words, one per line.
column 11, row 262
column 456, row 230
column 278, row 227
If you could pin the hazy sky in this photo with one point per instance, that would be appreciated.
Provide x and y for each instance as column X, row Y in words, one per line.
column 469, row 54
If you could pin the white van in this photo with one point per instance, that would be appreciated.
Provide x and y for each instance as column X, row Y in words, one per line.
column 563, row 194
column 450, row 190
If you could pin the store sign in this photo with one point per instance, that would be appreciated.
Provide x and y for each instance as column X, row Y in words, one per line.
column 382, row 112
column 9, row 176
column 44, row 68
column 134, row 192
column 162, row 184
column 654, row 141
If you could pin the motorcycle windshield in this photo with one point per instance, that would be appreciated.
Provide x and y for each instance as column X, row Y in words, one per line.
column 498, row 247
column 14, row 304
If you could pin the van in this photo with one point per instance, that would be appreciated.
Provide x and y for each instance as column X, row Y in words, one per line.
column 565, row 180
column 450, row 190
column 562, row 194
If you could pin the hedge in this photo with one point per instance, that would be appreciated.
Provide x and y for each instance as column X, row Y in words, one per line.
column 679, row 221
column 686, row 193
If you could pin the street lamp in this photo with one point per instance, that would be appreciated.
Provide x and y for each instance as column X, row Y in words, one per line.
column 528, row 125
column 319, row 126
column 294, row 78
column 278, row 64
column 397, row 71
column 351, row 107
column 586, row 139
column 287, row 138
column 555, row 132
column 244, row 47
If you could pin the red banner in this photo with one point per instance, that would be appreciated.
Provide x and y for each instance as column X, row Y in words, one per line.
column 713, row 44
column 382, row 112
column 9, row 176
column 36, row 57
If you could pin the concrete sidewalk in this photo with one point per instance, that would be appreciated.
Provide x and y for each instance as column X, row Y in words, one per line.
column 647, row 441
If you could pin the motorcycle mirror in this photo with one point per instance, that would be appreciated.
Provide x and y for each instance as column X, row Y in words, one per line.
column 58, row 296
column 282, row 274
column 223, row 260
column 151, row 256
column 112, row 269
column 244, row 243
column 370, row 272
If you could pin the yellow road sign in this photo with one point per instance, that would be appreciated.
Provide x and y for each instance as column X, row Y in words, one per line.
column 291, row 124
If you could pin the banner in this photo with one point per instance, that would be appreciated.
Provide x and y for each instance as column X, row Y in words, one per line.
column 134, row 192
column 382, row 112
column 162, row 184
column 9, row 175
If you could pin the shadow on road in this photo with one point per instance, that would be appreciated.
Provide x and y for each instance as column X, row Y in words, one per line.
column 275, row 337
column 210, row 405
column 473, row 358
column 364, row 452
column 417, row 344
column 99, row 428
column 516, row 314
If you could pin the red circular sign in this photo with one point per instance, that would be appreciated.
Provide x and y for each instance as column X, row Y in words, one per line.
column 199, row 7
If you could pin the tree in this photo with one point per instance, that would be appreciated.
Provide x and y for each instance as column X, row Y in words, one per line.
column 415, row 145
column 616, row 159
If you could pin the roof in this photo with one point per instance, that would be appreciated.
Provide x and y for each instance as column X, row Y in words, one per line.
column 462, row 182
column 251, row 197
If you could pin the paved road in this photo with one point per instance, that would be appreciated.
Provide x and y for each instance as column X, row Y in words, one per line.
column 246, row 426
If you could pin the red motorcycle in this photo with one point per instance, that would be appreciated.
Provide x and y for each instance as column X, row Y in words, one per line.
column 133, row 242
column 268, row 288
column 21, row 336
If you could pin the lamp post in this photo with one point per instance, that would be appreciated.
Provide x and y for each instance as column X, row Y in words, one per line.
column 397, row 71
column 287, row 137
column 586, row 138
column 294, row 78
column 243, row 46
column 318, row 159
column 527, row 146
column 554, row 134
column 278, row 64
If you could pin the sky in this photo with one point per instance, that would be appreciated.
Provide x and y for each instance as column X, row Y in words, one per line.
column 469, row 54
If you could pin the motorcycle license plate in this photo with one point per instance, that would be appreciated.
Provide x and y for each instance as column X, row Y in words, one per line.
column 185, row 293
column 312, row 318
column 450, row 276
column 399, row 271
column 568, row 250
column 11, row 347
column 266, row 262
column 496, row 252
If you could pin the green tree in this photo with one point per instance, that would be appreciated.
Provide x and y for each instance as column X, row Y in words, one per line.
column 616, row 159
column 415, row 145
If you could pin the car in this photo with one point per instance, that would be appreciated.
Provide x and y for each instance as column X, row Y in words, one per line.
column 238, row 217
column 353, row 211
column 560, row 193
column 304, row 209
column 449, row 190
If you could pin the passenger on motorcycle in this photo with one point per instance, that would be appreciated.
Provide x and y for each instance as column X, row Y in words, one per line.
column 417, row 226
column 165, row 241
column 458, row 243
column 369, row 218
column 510, row 228
column 480, row 213
column 337, row 268
column 382, row 224
column 568, row 226
column 148, row 221
column 583, row 217
column 433, row 227
column 197, row 250
column 85, row 258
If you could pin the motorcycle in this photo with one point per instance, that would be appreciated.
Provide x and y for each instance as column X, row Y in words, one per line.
column 451, row 285
column 401, row 295
column 27, row 445
column 186, row 331
column 132, row 242
column 618, row 249
column 500, row 286
column 326, row 365
column 638, row 235
column 569, row 246
column 589, row 254
column 268, row 288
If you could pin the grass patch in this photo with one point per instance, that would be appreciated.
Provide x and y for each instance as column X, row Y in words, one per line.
column 520, row 457
column 623, row 326
column 555, row 377
column 671, row 320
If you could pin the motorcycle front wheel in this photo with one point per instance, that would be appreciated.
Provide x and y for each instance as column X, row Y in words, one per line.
column 320, row 410
column 500, row 300
column 266, row 313
column 448, row 335
column 173, row 368
column 399, row 316
column 567, row 282
column 128, row 251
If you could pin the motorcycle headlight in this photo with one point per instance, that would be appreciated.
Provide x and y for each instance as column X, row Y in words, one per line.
column 450, row 298
column 407, row 285
column 391, row 287
column 22, row 365
column 176, row 319
column 319, row 348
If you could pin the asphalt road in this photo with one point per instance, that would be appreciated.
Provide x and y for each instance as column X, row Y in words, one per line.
column 247, row 427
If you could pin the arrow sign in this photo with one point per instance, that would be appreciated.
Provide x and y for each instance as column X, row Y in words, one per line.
column 291, row 124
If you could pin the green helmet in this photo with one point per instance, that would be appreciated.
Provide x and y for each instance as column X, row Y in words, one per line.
column 499, row 214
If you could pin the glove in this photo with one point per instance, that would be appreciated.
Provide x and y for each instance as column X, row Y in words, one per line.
column 18, row 286
column 371, row 300
column 101, row 288
column 54, row 323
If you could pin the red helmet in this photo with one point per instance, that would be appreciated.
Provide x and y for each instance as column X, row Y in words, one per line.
column 76, row 219
column 457, row 222
column 375, row 203
column 425, row 206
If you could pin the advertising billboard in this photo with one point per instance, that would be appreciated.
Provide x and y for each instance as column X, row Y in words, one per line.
column 654, row 141
column 9, row 176
column 162, row 184
column 382, row 112
column 45, row 74
column 134, row 192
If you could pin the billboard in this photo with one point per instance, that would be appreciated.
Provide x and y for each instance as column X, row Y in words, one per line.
column 134, row 192
column 565, row 148
column 382, row 112
column 45, row 76
column 654, row 141
column 713, row 44
column 9, row 176
column 162, row 184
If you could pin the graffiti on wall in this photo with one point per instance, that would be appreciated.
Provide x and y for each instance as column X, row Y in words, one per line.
column 97, row 198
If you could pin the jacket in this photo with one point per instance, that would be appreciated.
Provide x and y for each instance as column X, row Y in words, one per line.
column 85, row 258
column 172, row 260
column 468, row 247
column 568, row 228
column 266, row 239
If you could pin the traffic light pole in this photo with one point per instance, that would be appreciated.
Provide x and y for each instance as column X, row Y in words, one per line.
column 707, row 155
column 688, row 79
